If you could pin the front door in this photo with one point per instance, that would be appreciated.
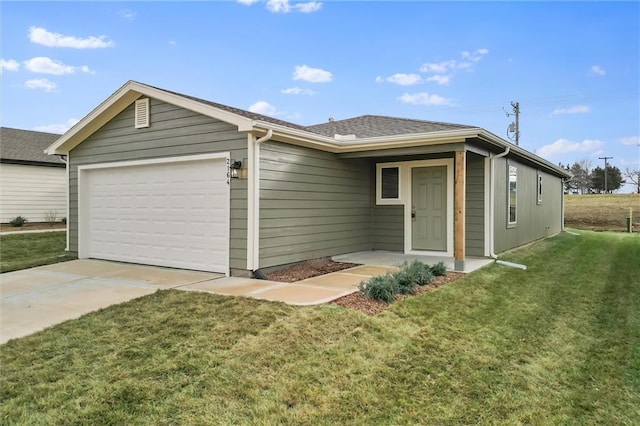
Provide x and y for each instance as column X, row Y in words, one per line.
column 429, row 208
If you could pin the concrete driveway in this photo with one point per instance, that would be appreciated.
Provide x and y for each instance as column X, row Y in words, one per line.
column 33, row 299
column 36, row 298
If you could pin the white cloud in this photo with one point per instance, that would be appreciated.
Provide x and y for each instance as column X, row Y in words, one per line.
column 405, row 79
column 631, row 140
column 127, row 14
column 283, row 6
column 576, row 109
column 46, row 65
column 173, row 43
column 41, row 83
column 565, row 146
column 9, row 65
column 46, row 38
column 443, row 71
column 57, row 128
column 309, row 7
column 475, row 56
column 424, row 98
column 442, row 80
column 264, row 108
column 248, row 2
column 298, row 91
column 312, row 75
column 439, row 67
column 597, row 70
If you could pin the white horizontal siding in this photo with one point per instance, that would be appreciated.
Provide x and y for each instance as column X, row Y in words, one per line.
column 31, row 192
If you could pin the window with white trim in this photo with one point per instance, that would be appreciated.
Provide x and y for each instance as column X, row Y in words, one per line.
column 539, row 188
column 512, row 196
column 388, row 184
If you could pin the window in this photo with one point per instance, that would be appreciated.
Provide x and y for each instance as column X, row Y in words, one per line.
column 539, row 189
column 390, row 180
column 388, row 184
column 513, row 195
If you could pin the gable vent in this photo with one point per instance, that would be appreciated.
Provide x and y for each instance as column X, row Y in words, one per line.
column 142, row 113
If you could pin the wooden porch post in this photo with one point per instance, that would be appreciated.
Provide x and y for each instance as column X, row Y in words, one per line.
column 459, row 211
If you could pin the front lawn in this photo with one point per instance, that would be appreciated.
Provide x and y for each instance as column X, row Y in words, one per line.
column 20, row 250
column 558, row 343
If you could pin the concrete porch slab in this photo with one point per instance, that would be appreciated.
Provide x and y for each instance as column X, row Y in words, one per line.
column 389, row 258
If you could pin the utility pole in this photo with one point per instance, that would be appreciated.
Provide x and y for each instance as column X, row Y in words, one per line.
column 513, row 131
column 605, row 171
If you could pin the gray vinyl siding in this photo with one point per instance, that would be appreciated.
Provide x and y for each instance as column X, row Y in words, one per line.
column 534, row 221
column 388, row 228
column 312, row 204
column 475, row 192
column 173, row 131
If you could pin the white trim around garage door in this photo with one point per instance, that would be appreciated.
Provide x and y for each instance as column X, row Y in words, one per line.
column 83, row 195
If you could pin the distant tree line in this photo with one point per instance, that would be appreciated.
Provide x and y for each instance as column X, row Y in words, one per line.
column 587, row 180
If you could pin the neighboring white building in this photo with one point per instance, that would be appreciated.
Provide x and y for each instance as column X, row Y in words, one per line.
column 32, row 184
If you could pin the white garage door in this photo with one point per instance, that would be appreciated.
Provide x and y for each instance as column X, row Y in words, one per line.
column 173, row 214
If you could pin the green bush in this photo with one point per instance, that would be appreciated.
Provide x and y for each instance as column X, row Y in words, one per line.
column 18, row 221
column 439, row 269
column 380, row 287
column 419, row 272
column 405, row 281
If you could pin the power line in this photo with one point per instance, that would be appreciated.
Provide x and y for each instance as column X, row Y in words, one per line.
column 605, row 171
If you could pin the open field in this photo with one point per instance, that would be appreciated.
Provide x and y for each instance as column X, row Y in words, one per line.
column 601, row 212
column 558, row 343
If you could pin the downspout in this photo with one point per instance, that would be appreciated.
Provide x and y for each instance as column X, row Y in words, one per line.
column 492, row 207
column 65, row 160
column 257, row 273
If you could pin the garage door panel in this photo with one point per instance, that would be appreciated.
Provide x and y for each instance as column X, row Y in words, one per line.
column 169, row 214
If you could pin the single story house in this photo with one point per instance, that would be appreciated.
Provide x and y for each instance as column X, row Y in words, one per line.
column 161, row 178
column 33, row 184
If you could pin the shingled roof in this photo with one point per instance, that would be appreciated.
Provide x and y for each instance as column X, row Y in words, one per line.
column 244, row 113
column 368, row 126
column 364, row 126
column 27, row 147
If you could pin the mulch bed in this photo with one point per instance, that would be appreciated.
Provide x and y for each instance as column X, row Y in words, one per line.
column 357, row 300
column 361, row 303
column 310, row 269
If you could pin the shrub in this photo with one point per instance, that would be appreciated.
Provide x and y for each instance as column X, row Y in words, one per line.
column 439, row 269
column 420, row 272
column 380, row 287
column 50, row 216
column 405, row 281
column 64, row 220
column 18, row 221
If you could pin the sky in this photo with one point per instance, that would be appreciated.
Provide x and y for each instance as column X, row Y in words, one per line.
column 573, row 67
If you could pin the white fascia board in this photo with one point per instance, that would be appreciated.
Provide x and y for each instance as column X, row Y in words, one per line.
column 121, row 99
column 325, row 143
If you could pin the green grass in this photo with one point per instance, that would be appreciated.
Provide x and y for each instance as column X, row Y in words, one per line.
column 558, row 343
column 20, row 251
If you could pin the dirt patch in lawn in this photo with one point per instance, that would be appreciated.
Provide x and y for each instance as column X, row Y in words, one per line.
column 32, row 226
column 310, row 269
column 362, row 303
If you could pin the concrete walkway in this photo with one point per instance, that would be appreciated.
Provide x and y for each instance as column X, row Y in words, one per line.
column 36, row 298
